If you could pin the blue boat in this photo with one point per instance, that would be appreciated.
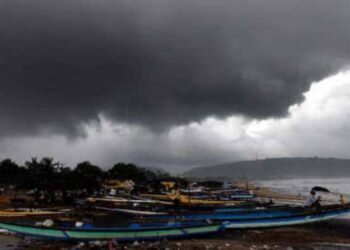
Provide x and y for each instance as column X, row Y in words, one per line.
column 262, row 218
column 225, row 216
column 129, row 233
column 292, row 220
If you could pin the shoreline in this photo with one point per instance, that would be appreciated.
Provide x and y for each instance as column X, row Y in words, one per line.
column 267, row 193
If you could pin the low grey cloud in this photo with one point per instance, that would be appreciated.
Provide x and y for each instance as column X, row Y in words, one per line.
column 159, row 64
column 318, row 126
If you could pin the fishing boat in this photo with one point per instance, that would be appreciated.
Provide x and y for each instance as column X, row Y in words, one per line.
column 171, row 210
column 163, row 197
column 224, row 195
column 237, row 215
column 28, row 212
column 290, row 220
column 201, row 197
column 187, row 199
column 130, row 211
column 130, row 233
column 122, row 201
column 265, row 217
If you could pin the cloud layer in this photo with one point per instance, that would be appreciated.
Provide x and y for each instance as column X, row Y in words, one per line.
column 173, row 83
column 160, row 64
column 318, row 126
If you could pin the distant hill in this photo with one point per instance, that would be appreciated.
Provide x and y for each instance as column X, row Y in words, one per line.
column 275, row 168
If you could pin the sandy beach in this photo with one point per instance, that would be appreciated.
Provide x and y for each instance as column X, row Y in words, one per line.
column 333, row 234
column 9, row 242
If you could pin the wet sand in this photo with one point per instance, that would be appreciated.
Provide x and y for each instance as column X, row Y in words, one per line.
column 9, row 242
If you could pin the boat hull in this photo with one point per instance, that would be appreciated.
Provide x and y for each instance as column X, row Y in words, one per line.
column 294, row 220
column 119, row 234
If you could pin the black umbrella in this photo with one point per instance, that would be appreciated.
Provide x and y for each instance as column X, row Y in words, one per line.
column 320, row 189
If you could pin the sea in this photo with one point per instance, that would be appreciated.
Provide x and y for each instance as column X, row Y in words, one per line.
column 303, row 186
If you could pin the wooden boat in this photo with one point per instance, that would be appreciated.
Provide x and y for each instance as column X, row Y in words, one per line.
column 242, row 215
column 223, row 195
column 291, row 220
column 120, row 200
column 202, row 198
column 174, row 210
column 131, row 233
column 260, row 218
column 34, row 212
column 163, row 197
column 129, row 211
column 186, row 199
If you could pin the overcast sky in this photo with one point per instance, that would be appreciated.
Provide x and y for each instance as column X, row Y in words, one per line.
column 174, row 84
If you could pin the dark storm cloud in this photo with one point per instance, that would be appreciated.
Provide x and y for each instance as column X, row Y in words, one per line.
column 161, row 63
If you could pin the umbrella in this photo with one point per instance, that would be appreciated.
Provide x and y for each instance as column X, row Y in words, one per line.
column 320, row 189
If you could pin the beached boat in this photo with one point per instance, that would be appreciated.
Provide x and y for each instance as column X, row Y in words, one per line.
column 186, row 199
column 131, row 233
column 129, row 211
column 289, row 220
column 189, row 200
column 171, row 210
column 239, row 215
column 265, row 217
column 163, row 197
column 223, row 195
column 195, row 197
column 121, row 201
column 28, row 212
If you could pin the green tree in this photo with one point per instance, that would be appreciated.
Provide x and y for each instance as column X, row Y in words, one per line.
column 87, row 176
column 42, row 176
column 66, row 182
column 128, row 171
column 9, row 172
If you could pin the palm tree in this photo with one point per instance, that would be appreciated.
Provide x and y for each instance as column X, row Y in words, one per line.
column 87, row 176
column 9, row 172
column 42, row 177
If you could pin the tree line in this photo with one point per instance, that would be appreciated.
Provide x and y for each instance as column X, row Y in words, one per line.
column 47, row 176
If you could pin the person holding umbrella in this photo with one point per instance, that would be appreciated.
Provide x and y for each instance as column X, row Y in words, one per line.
column 312, row 201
